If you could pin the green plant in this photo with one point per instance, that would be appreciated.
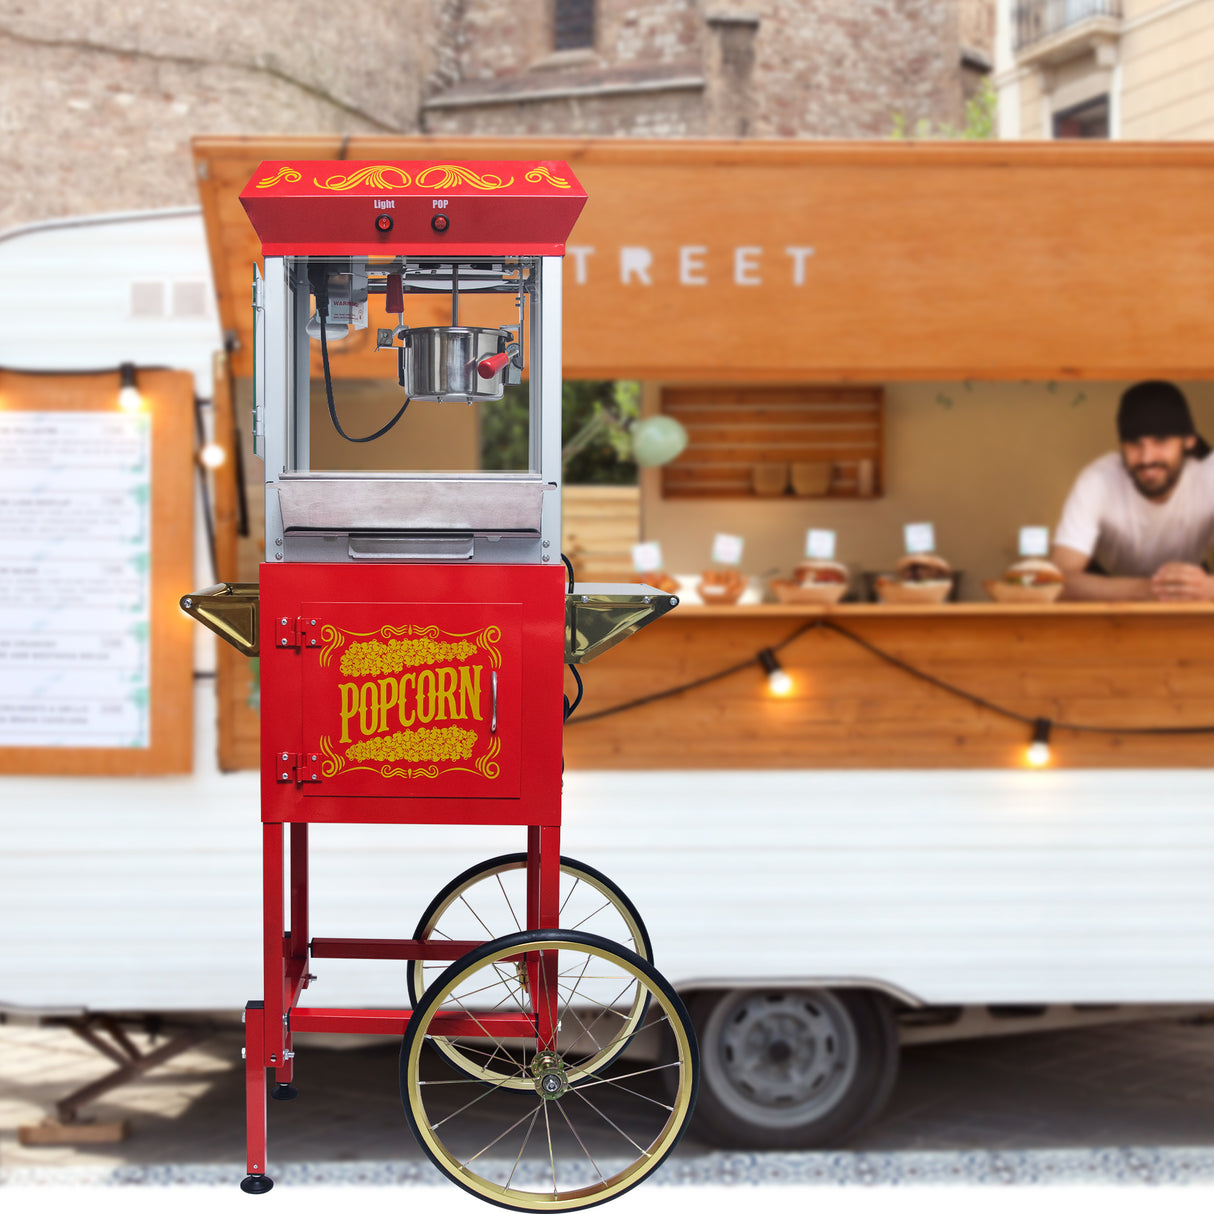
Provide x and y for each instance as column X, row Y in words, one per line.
column 981, row 115
column 596, row 415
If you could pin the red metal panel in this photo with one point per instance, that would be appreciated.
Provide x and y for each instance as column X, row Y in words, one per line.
column 424, row 208
column 303, row 702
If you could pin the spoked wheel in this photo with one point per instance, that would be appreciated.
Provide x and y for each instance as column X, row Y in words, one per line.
column 490, row 900
column 556, row 1117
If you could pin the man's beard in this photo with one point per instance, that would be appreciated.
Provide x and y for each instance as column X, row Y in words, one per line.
column 1164, row 487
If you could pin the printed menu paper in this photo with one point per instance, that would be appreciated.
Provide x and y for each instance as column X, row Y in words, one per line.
column 75, row 521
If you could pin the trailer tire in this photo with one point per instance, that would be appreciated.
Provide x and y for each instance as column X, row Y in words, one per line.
column 792, row 1068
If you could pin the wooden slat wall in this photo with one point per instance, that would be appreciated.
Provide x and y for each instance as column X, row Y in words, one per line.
column 599, row 525
column 731, row 429
column 851, row 710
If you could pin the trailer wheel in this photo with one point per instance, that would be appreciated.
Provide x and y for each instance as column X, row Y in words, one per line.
column 788, row 1069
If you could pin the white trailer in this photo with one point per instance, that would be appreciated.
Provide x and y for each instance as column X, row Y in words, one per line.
column 809, row 917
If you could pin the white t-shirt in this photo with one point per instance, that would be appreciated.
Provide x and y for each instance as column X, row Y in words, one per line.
column 1131, row 536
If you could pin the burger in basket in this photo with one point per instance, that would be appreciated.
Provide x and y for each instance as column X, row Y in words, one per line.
column 814, row 581
column 1032, row 580
column 921, row 578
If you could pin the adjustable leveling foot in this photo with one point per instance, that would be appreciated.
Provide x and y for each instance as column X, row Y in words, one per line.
column 256, row 1184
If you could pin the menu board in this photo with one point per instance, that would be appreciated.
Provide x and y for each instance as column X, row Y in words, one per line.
column 95, row 549
column 75, row 539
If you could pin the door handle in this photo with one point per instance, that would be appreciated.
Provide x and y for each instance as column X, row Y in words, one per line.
column 493, row 717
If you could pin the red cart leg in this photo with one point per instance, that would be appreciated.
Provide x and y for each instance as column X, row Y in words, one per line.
column 255, row 1099
column 543, row 877
column 295, row 957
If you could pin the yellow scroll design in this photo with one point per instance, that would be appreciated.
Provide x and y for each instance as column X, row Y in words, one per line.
column 444, row 176
column 333, row 638
column 333, row 761
column 286, row 173
column 375, row 175
column 485, row 765
column 539, row 173
column 487, row 639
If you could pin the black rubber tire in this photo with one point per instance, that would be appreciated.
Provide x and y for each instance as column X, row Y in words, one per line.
column 756, row 1096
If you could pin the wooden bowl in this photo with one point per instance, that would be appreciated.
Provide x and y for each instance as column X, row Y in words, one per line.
column 810, row 592
column 1009, row 592
column 812, row 478
column 769, row 480
column 894, row 590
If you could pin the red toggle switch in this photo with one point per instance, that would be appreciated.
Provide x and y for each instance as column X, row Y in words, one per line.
column 394, row 295
column 487, row 368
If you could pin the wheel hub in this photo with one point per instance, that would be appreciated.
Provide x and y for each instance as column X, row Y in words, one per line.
column 782, row 1052
column 550, row 1079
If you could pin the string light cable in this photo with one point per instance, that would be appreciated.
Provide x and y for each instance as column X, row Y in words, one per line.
column 1041, row 727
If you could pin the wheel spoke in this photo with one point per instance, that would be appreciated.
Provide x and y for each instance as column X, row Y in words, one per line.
column 560, row 1108
column 611, row 1123
column 526, row 1139
column 519, row 1122
column 509, row 905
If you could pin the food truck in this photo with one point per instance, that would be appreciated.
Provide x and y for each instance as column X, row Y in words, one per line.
column 856, row 340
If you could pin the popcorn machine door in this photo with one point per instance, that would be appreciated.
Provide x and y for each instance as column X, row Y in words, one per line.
column 418, row 693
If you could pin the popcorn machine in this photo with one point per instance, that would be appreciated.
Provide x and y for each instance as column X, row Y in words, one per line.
column 414, row 619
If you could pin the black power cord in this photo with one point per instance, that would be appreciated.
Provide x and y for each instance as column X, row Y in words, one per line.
column 320, row 288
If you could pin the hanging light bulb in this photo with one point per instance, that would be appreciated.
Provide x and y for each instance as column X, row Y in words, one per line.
column 1038, row 753
column 212, row 455
column 129, row 398
column 778, row 679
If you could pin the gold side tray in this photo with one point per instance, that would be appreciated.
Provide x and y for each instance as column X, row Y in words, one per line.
column 599, row 615
column 230, row 611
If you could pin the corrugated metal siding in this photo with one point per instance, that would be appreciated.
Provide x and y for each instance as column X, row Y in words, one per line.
column 65, row 294
column 957, row 887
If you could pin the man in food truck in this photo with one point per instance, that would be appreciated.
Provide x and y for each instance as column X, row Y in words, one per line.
column 1138, row 524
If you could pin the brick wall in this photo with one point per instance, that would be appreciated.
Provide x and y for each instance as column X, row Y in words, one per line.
column 98, row 101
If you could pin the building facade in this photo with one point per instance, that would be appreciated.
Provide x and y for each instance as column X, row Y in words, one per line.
column 98, row 103
column 1116, row 69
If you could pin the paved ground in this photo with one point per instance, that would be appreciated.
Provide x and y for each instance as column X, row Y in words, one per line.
column 1123, row 1086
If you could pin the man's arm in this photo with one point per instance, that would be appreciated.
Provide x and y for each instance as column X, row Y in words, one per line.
column 1079, row 586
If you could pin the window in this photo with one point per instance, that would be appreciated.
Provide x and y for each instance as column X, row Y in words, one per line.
column 573, row 24
column 1090, row 120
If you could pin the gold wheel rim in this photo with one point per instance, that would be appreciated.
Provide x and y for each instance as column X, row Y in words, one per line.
column 585, row 1195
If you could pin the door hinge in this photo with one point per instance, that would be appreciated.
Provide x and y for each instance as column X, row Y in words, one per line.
column 298, row 767
column 300, row 632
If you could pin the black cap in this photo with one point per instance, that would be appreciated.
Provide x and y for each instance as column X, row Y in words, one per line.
column 1157, row 409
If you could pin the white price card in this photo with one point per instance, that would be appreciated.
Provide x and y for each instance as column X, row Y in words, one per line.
column 727, row 549
column 820, row 545
column 920, row 537
column 647, row 557
column 1034, row 541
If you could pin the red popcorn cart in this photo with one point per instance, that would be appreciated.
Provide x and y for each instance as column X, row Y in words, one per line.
column 413, row 626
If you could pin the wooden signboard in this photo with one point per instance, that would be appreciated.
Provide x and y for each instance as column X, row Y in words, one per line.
column 96, row 544
column 791, row 262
